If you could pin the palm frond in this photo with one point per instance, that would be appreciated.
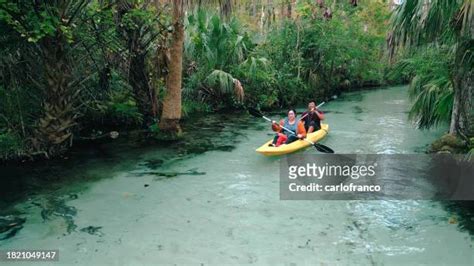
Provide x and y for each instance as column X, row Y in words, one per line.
column 222, row 83
column 431, row 88
column 433, row 102
column 421, row 21
column 252, row 64
column 221, row 80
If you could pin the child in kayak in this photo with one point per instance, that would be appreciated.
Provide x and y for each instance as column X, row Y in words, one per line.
column 283, row 136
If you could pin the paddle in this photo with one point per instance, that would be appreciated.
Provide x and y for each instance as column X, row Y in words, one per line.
column 319, row 147
column 321, row 104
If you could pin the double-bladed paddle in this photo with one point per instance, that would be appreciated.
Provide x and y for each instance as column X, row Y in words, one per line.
column 321, row 104
column 318, row 146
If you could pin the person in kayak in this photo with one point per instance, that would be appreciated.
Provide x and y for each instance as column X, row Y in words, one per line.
column 312, row 118
column 283, row 136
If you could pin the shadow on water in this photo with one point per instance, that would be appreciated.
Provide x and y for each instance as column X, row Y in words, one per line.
column 357, row 109
column 93, row 230
column 46, row 182
column 463, row 215
column 351, row 97
column 165, row 175
column 221, row 132
column 56, row 208
column 10, row 225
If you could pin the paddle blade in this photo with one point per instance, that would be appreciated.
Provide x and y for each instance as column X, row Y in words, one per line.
column 255, row 112
column 323, row 148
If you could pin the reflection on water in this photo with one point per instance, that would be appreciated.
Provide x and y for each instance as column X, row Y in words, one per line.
column 211, row 199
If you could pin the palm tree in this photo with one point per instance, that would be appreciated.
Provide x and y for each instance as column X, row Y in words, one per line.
column 441, row 22
column 212, row 46
column 172, row 102
column 48, row 29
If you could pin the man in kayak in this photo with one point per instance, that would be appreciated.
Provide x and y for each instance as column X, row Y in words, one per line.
column 312, row 118
column 283, row 136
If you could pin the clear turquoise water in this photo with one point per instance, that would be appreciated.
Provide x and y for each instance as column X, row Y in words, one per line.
column 169, row 204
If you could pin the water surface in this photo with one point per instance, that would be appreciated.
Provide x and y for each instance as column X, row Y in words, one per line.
column 211, row 199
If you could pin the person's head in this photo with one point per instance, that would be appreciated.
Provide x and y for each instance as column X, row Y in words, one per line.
column 291, row 114
column 311, row 105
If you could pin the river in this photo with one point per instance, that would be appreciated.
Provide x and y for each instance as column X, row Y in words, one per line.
column 212, row 199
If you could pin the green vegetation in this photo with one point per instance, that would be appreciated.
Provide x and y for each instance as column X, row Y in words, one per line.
column 430, row 88
column 70, row 68
column 440, row 40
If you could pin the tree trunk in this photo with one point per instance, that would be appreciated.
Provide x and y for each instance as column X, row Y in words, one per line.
column 282, row 11
column 55, row 127
column 270, row 14
column 262, row 18
column 254, row 8
column 225, row 9
column 289, row 8
column 104, row 79
column 172, row 102
column 320, row 3
column 297, row 48
column 462, row 118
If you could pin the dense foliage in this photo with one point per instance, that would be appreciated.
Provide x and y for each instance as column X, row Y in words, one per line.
column 440, row 40
column 431, row 87
column 295, row 60
column 72, row 68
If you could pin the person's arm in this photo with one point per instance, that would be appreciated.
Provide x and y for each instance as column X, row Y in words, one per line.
column 320, row 114
column 303, row 116
column 306, row 115
column 277, row 127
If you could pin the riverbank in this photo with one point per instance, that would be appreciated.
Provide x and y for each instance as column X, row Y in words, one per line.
column 13, row 151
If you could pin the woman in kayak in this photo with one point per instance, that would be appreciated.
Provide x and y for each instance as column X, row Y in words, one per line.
column 283, row 136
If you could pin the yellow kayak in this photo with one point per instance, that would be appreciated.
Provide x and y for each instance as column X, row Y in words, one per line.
column 316, row 136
